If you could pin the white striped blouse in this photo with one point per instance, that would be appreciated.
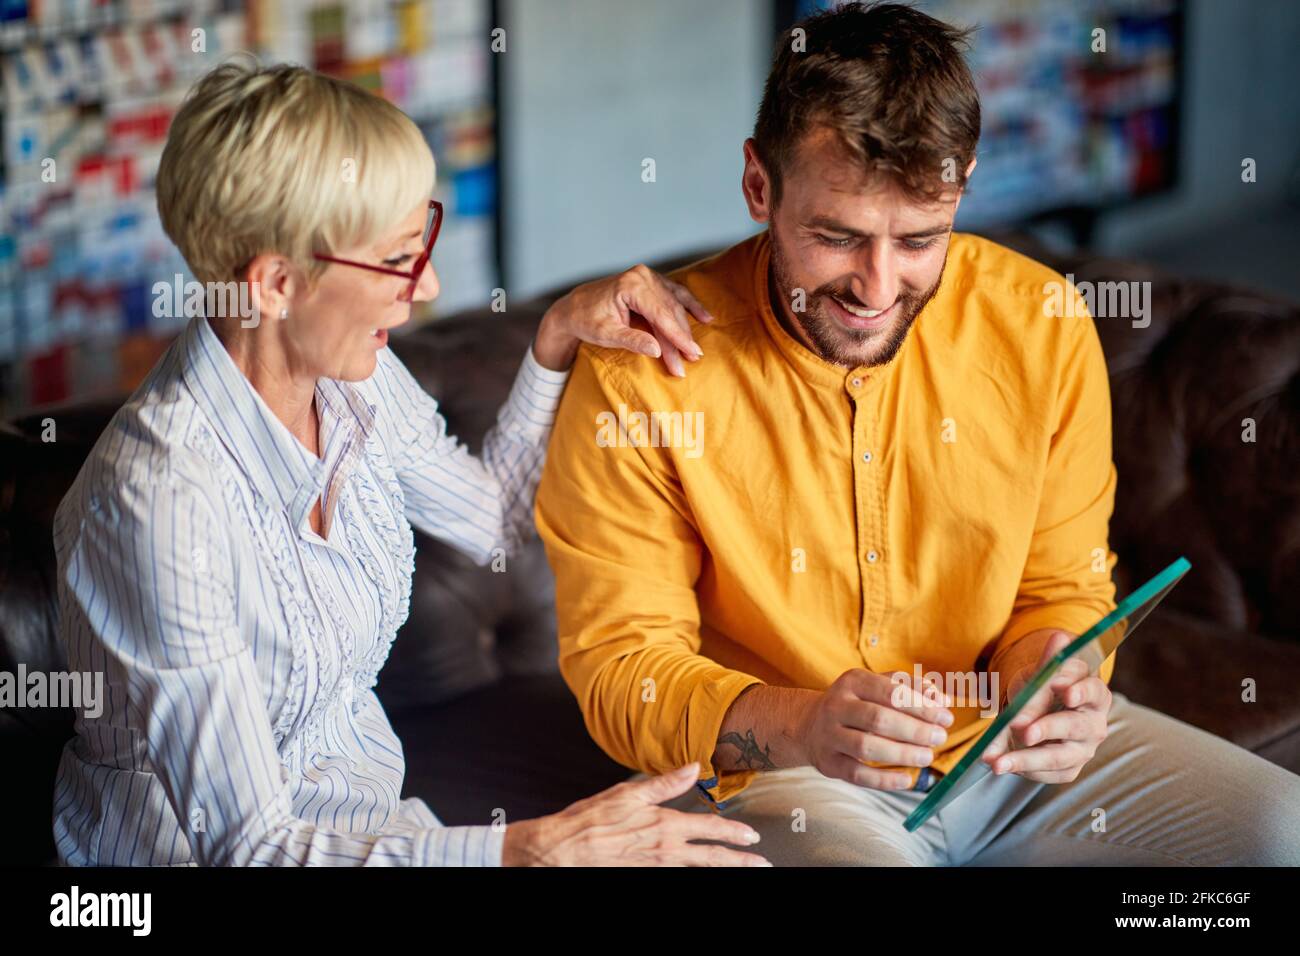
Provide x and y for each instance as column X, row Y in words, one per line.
column 239, row 648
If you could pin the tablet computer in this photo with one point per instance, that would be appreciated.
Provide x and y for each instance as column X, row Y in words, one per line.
column 1093, row 646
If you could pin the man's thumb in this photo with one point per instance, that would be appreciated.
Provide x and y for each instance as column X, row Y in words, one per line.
column 1057, row 641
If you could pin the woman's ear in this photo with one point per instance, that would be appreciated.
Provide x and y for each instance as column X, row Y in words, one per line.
column 273, row 282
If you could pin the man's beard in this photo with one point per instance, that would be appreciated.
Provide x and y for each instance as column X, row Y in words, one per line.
column 832, row 341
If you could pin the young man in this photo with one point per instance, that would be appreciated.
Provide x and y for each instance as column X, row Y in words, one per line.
column 894, row 458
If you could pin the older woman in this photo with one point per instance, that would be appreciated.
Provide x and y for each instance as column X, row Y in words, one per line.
column 235, row 555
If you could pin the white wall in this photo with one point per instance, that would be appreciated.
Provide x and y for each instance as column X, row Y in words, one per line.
column 590, row 88
column 1242, row 99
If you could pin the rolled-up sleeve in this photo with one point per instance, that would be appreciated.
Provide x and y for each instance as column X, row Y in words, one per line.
column 626, row 556
column 1067, row 581
column 475, row 504
column 152, row 575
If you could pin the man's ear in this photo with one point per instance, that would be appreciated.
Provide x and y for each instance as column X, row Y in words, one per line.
column 756, row 185
column 969, row 169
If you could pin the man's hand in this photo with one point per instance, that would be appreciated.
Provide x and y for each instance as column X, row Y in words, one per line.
column 1052, row 747
column 877, row 717
column 862, row 716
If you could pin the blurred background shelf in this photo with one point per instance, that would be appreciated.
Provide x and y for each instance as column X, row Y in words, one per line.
column 89, row 90
column 1137, row 152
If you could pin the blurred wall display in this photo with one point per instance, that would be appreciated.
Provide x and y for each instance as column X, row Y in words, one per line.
column 88, row 91
column 1080, row 103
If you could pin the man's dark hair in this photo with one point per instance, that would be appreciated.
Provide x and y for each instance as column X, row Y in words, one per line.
column 890, row 81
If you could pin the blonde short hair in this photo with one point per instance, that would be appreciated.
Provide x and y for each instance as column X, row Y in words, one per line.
column 288, row 160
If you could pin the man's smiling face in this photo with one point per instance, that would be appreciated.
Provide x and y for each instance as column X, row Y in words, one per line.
column 866, row 257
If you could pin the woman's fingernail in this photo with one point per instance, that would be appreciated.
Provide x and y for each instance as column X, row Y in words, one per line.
column 752, row 837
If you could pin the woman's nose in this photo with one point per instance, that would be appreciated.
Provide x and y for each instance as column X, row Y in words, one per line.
column 427, row 288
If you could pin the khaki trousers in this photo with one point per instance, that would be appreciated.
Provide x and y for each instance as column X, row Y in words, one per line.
column 1158, row 792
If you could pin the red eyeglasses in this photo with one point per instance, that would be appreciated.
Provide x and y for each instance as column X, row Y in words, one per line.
column 431, row 227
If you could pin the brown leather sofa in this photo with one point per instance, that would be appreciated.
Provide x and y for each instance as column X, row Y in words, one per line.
column 472, row 686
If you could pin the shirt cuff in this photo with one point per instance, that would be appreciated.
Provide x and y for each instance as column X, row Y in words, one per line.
column 534, row 399
column 460, row 846
column 720, row 786
column 1074, row 618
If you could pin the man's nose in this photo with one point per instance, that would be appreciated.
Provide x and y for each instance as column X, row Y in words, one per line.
column 876, row 284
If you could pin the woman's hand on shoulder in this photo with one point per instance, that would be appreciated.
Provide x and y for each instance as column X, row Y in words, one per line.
column 637, row 310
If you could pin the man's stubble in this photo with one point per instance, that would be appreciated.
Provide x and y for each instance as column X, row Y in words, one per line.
column 826, row 335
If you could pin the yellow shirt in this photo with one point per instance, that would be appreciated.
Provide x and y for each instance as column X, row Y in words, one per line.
column 797, row 519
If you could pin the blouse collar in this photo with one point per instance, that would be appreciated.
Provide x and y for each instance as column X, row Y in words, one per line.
column 277, row 465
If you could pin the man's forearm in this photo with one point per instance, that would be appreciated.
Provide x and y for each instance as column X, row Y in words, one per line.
column 763, row 729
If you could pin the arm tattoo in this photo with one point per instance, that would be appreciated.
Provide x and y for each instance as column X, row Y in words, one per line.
column 750, row 755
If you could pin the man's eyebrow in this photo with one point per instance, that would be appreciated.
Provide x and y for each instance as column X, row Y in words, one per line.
column 826, row 222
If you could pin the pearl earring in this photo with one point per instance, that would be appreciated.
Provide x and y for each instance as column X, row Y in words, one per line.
column 284, row 313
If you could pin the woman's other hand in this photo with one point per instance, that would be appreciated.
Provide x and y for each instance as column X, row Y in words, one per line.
column 624, row 826
column 638, row 310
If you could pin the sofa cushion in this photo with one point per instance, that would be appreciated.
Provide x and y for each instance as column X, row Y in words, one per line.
column 518, row 745
column 1193, row 670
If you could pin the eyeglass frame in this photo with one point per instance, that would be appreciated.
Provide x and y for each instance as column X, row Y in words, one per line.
column 421, row 261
